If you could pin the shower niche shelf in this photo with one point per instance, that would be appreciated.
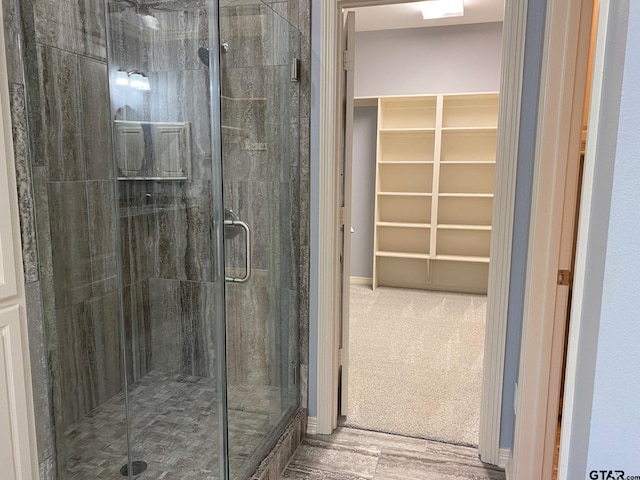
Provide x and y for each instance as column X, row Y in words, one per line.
column 152, row 151
column 435, row 172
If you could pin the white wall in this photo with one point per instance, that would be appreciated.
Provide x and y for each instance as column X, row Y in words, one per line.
column 451, row 59
column 463, row 58
column 614, row 440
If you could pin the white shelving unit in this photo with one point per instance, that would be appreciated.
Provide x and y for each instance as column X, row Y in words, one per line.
column 435, row 172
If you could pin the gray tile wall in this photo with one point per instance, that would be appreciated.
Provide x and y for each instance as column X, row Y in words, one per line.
column 62, row 141
column 60, row 116
column 261, row 144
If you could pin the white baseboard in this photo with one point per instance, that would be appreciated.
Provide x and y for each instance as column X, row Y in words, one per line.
column 506, row 461
column 361, row 281
column 503, row 457
column 312, row 425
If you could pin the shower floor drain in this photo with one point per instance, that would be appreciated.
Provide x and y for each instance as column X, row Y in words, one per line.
column 138, row 467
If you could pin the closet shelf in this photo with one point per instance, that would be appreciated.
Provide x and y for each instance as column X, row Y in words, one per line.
column 406, row 162
column 466, row 195
column 447, row 226
column 467, row 162
column 451, row 231
column 404, row 194
column 422, row 256
column 462, row 258
column 403, row 225
column 469, row 129
column 407, row 130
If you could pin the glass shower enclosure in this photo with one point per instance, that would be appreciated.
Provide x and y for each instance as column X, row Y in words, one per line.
column 176, row 298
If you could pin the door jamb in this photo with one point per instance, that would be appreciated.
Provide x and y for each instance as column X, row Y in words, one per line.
column 504, row 201
column 532, row 431
column 564, row 69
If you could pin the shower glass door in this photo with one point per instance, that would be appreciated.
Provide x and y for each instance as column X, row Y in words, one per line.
column 166, row 148
column 205, row 121
column 260, row 172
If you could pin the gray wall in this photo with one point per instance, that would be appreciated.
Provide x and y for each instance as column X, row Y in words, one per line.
column 536, row 12
column 463, row 58
column 451, row 59
column 365, row 122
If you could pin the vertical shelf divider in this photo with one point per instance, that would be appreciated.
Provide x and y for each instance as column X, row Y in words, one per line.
column 435, row 189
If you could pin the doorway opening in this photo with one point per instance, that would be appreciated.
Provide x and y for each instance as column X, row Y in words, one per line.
column 419, row 197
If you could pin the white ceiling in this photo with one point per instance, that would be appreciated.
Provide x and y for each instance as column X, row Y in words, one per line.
column 408, row 15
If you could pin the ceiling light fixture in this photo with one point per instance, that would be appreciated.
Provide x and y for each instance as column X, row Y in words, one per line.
column 433, row 9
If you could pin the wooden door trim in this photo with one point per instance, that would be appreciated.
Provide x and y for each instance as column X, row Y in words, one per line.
column 328, row 192
column 556, row 170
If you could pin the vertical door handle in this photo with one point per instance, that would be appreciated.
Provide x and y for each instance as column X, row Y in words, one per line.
column 247, row 231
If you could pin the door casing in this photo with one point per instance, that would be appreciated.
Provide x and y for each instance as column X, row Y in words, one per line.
column 329, row 281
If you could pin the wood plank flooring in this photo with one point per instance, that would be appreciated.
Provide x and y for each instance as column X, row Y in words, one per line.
column 350, row 454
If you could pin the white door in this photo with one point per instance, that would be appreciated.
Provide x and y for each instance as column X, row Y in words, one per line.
column 348, row 57
column 17, row 434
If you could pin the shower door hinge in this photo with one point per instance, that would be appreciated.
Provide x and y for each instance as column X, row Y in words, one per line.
column 341, row 215
column 347, row 60
column 339, row 357
column 564, row 277
column 295, row 70
column 296, row 372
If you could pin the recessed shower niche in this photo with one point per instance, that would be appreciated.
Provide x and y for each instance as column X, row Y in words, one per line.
column 152, row 150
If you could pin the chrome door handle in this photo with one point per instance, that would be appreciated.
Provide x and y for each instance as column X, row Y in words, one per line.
column 247, row 231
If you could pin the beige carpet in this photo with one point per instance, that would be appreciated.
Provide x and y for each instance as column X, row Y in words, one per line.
column 415, row 365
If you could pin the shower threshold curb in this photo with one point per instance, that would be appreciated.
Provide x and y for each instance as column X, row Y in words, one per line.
column 278, row 458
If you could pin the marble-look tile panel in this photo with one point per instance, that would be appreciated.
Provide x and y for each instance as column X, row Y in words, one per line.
column 253, row 334
column 339, row 456
column 179, row 35
column 303, row 292
column 137, row 247
column 77, row 367
column 198, row 262
column 293, row 13
column 305, row 147
column 183, row 322
column 302, row 473
column 305, row 78
column 102, row 235
column 74, row 26
column 304, row 386
column 90, row 364
column 47, row 284
column 171, row 233
column 137, row 324
column 353, row 437
column 166, row 331
column 396, row 464
column 305, row 206
column 47, row 469
column 304, row 22
column 250, row 35
column 70, row 243
column 358, row 461
column 131, row 43
column 13, row 41
column 104, row 313
column 22, row 156
column 96, row 119
column 39, row 372
column 59, row 142
column 184, row 96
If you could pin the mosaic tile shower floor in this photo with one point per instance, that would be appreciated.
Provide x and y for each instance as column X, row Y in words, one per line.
column 174, row 420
